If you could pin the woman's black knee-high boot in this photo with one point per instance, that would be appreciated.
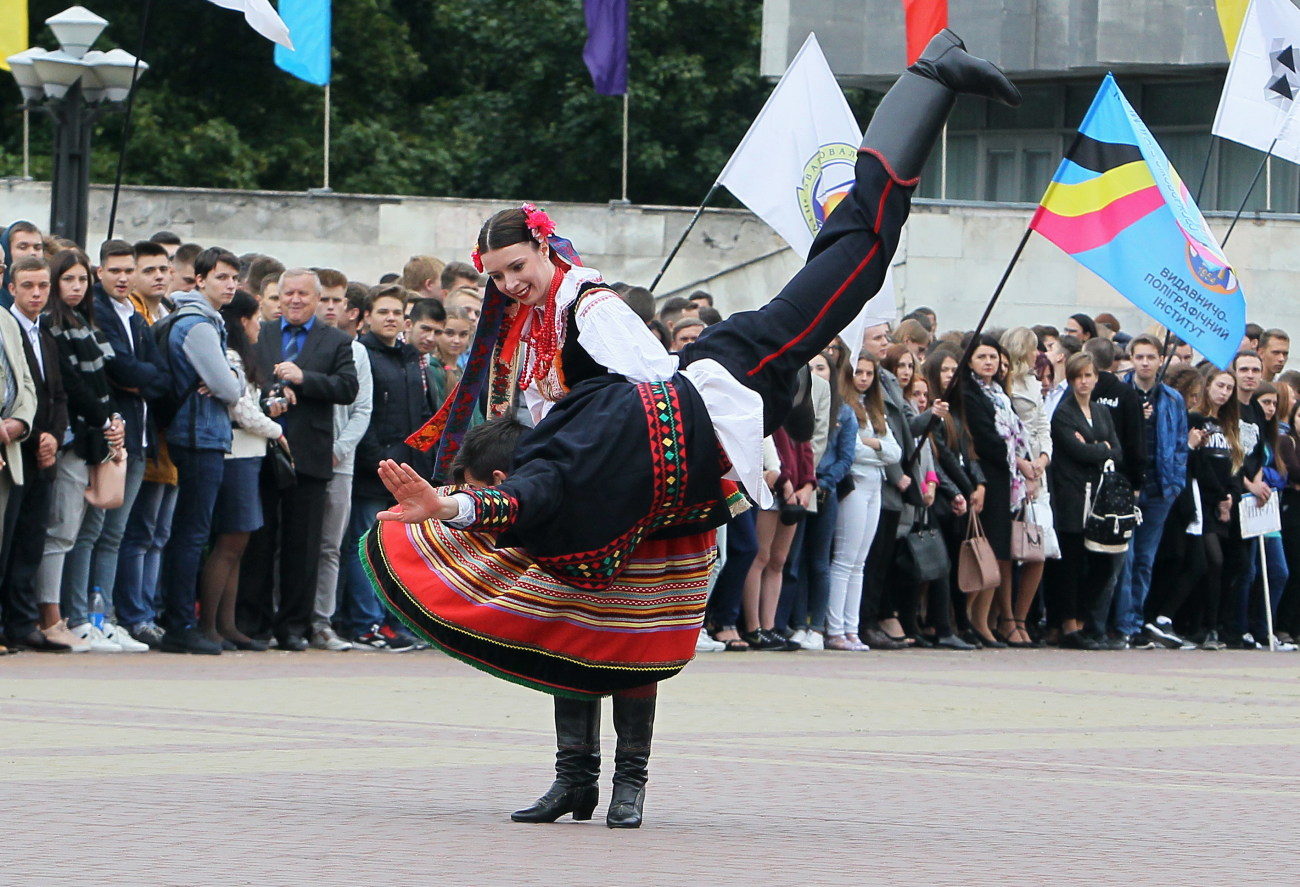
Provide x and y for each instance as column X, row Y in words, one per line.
column 634, row 720
column 577, row 764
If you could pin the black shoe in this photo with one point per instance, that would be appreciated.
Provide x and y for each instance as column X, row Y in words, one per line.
column 1077, row 640
column 34, row 640
column 878, row 640
column 971, row 637
column 910, row 118
column 762, row 640
column 952, row 642
column 251, row 645
column 625, row 807
column 294, row 643
column 577, row 764
column 190, row 640
column 147, row 633
column 787, row 645
column 1144, row 640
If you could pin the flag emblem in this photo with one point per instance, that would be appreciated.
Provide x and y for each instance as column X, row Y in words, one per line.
column 827, row 178
column 1284, row 82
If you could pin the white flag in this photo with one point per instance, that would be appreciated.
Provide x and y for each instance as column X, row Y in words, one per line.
column 1263, row 81
column 262, row 18
column 796, row 163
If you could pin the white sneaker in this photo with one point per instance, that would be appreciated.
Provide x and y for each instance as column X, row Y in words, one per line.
column 115, row 634
column 799, row 635
column 1283, row 646
column 812, row 640
column 706, row 644
column 93, row 636
column 327, row 639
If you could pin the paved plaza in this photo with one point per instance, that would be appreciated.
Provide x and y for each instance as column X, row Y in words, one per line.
column 1033, row 767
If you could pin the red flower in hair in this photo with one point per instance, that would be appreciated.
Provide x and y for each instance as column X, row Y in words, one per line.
column 538, row 222
column 476, row 259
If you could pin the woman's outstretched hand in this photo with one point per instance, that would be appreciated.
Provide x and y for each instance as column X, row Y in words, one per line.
column 416, row 500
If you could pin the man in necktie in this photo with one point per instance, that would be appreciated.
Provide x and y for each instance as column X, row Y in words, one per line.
column 313, row 363
column 17, row 395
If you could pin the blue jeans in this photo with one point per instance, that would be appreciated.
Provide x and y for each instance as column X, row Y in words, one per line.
column 1135, row 581
column 147, row 531
column 359, row 607
column 804, row 606
column 742, row 548
column 1101, row 607
column 92, row 562
column 1278, row 574
column 199, row 475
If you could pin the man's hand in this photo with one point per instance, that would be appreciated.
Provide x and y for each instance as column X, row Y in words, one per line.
column 416, row 500
column 47, row 448
column 11, row 430
column 289, row 372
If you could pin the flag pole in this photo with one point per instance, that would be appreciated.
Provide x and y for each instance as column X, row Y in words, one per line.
column 988, row 309
column 27, row 143
column 1244, row 200
column 695, row 218
column 326, row 159
column 943, row 164
column 1205, row 169
column 626, row 102
column 126, row 126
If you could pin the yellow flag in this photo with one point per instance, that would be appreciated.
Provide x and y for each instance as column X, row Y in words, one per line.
column 1231, row 14
column 13, row 29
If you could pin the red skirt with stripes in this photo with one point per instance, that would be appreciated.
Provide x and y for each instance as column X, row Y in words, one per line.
column 496, row 610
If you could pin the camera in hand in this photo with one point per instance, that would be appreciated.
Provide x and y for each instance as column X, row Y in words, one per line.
column 275, row 396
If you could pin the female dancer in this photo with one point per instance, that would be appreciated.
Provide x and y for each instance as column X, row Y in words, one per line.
column 618, row 487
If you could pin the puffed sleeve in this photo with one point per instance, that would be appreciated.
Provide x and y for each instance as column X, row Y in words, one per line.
column 616, row 338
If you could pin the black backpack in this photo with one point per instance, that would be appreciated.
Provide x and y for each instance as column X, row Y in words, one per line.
column 163, row 409
column 1110, row 513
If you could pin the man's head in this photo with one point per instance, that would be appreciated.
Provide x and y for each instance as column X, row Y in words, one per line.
column 1060, row 351
column 1102, row 351
column 25, row 240
column 1274, row 350
column 915, row 336
column 424, row 324
column 1107, row 324
column 875, row 341
column 424, row 275
column 675, row 309
column 116, row 268
column 701, row 298
column 486, row 455
column 1082, row 328
column 641, row 301
column 929, row 312
column 29, row 285
column 262, row 268
column 333, row 295
column 1146, row 352
column 168, row 241
column 153, row 271
column 466, row 299
column 1182, row 351
column 458, row 274
column 356, row 309
column 216, row 275
column 387, row 314
column 1249, row 370
column 298, row 294
column 1046, row 335
column 1250, row 340
column 183, row 267
column 686, row 331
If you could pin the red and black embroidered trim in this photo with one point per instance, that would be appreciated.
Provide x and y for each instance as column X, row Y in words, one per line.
column 496, row 510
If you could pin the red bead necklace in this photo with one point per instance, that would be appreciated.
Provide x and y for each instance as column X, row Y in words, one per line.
column 541, row 337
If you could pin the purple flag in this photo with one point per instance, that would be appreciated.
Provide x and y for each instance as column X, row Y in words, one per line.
column 606, row 49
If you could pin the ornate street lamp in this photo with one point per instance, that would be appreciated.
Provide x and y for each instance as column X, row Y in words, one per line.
column 74, row 86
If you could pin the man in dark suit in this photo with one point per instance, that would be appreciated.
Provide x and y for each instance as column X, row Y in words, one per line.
column 312, row 364
column 29, row 504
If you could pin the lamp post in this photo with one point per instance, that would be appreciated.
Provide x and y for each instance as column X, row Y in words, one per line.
column 74, row 86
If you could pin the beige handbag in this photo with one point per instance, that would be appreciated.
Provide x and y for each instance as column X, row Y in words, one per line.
column 107, row 488
column 977, row 566
column 1027, row 538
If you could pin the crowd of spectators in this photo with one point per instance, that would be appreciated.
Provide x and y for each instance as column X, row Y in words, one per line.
column 190, row 443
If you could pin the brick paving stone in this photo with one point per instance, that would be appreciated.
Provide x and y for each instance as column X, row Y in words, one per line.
column 1002, row 767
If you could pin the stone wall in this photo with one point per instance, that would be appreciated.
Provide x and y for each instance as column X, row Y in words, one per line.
column 950, row 259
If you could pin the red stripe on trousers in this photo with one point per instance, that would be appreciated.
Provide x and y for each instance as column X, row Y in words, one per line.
column 839, row 292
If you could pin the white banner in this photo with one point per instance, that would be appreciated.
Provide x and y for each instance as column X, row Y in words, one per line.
column 1263, row 81
column 262, row 18
column 796, row 162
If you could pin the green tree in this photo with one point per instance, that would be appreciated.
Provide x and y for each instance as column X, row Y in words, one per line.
column 468, row 98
